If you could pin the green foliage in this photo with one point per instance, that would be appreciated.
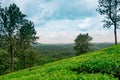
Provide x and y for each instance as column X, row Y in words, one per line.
column 16, row 35
column 30, row 58
column 50, row 53
column 55, row 52
column 63, row 70
column 26, row 35
column 4, row 62
column 82, row 43
column 107, row 63
column 11, row 18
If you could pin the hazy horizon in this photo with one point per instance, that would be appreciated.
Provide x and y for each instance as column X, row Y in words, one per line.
column 73, row 43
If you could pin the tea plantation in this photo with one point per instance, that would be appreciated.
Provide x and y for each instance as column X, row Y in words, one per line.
column 100, row 65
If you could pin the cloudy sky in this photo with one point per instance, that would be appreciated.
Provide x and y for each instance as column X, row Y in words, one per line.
column 60, row 21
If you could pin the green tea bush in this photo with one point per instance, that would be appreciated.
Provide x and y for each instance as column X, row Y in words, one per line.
column 105, row 63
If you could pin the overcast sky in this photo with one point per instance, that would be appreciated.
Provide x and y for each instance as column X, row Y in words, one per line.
column 60, row 21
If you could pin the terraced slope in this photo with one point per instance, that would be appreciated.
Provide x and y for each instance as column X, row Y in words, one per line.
column 100, row 65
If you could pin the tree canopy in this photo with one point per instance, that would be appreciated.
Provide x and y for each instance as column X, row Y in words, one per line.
column 16, row 32
column 82, row 43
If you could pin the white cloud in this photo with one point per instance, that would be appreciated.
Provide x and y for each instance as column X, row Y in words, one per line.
column 64, row 30
column 91, row 4
column 56, row 31
column 86, row 23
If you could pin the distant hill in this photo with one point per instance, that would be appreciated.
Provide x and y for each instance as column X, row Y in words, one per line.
column 96, row 45
column 55, row 52
column 99, row 65
column 101, row 45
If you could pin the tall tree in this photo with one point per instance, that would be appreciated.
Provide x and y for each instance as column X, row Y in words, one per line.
column 11, row 18
column 111, row 10
column 26, row 36
column 82, row 43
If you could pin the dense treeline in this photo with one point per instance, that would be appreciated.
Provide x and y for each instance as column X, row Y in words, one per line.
column 53, row 52
column 16, row 35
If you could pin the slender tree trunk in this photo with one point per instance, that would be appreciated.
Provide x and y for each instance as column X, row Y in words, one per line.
column 115, row 33
column 24, row 61
column 23, row 55
column 11, row 53
column 115, row 22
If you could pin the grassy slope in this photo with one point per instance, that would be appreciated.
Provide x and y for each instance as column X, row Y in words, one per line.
column 62, row 70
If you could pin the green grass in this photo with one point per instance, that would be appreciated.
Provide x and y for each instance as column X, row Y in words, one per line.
column 98, row 65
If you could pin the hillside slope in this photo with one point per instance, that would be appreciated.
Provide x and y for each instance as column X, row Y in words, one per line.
column 100, row 65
